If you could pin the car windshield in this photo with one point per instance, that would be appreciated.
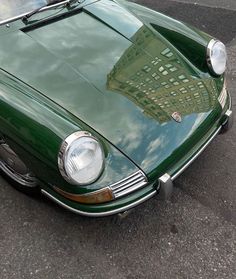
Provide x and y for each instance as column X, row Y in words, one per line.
column 12, row 8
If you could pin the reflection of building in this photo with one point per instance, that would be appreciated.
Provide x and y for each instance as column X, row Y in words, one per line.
column 159, row 86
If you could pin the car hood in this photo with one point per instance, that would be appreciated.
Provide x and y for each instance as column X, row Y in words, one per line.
column 118, row 77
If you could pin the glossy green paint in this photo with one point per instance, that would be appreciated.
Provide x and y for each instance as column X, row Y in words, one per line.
column 90, row 69
column 35, row 128
column 188, row 40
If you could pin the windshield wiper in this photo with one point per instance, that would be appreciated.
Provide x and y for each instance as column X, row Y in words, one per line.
column 50, row 3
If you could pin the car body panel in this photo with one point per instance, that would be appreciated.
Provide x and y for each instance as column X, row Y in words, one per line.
column 187, row 39
column 135, row 198
column 103, row 83
column 116, row 17
column 121, row 81
column 35, row 129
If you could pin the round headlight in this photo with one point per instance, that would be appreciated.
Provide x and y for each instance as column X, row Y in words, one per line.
column 81, row 159
column 216, row 57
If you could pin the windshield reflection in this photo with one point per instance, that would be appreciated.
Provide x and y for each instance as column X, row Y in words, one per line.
column 12, row 8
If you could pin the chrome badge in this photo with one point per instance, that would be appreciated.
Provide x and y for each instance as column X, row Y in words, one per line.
column 177, row 117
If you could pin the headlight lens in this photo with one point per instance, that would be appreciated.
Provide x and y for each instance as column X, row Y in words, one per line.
column 81, row 159
column 217, row 57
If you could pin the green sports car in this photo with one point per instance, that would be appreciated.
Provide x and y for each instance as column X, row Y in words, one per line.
column 104, row 103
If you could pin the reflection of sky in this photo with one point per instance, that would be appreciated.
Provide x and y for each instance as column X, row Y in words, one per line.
column 69, row 58
column 122, row 20
column 39, row 127
column 11, row 8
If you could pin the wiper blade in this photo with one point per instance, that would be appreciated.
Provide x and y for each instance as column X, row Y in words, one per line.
column 50, row 3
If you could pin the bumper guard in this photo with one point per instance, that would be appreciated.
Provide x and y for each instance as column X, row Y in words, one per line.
column 166, row 181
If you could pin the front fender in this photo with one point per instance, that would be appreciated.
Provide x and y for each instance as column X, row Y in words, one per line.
column 35, row 127
column 191, row 42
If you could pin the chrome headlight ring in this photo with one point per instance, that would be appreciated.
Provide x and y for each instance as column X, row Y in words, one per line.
column 216, row 57
column 81, row 158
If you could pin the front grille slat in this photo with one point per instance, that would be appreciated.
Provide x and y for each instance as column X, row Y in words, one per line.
column 121, row 182
column 119, row 185
column 129, row 184
column 132, row 189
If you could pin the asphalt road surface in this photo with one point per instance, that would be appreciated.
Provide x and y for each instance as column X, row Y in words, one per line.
column 191, row 236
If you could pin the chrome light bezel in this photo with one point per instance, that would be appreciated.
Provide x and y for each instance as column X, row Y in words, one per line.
column 209, row 60
column 63, row 152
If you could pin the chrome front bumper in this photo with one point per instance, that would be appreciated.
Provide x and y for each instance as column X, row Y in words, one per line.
column 166, row 181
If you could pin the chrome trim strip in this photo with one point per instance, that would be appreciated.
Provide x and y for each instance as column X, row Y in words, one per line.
column 5, row 21
column 129, row 184
column 208, row 54
column 130, row 190
column 99, row 214
column 230, row 101
column 196, row 155
column 127, row 180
